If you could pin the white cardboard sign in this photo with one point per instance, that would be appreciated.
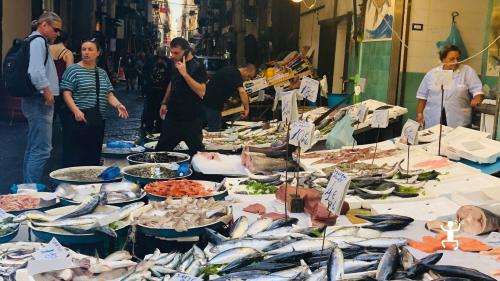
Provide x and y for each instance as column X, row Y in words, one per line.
column 289, row 110
column 380, row 118
column 301, row 133
column 409, row 134
column 184, row 277
column 362, row 113
column 442, row 78
column 51, row 257
column 336, row 190
column 309, row 88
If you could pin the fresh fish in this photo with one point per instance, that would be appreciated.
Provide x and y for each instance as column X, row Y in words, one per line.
column 365, row 195
column 382, row 242
column 67, row 222
column 241, row 275
column 258, row 226
column 294, row 273
column 163, row 259
column 194, row 268
column 369, row 256
column 368, row 233
column 283, row 223
column 126, row 210
column 451, row 279
column 304, row 245
column 257, row 244
column 344, row 231
column 239, row 264
column 239, row 227
column 384, row 217
column 378, row 192
column 199, row 254
column 459, row 271
column 161, row 270
column 314, row 232
column 421, row 266
column 84, row 208
column 294, row 256
column 352, row 266
column 185, row 263
column 277, row 233
column 232, row 255
column 279, row 244
column 33, row 215
column 335, row 266
column 214, row 237
column 344, row 241
column 388, row 263
column 175, row 261
column 389, row 225
column 270, row 267
column 407, row 259
column 477, row 220
column 265, row 179
column 118, row 256
column 318, row 275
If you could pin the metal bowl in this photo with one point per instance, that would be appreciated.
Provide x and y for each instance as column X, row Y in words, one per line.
column 9, row 236
column 218, row 195
column 142, row 180
column 68, row 175
column 121, row 152
column 181, row 157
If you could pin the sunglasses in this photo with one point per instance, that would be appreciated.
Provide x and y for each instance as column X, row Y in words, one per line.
column 93, row 40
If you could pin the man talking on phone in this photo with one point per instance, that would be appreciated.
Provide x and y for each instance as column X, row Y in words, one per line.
column 182, row 108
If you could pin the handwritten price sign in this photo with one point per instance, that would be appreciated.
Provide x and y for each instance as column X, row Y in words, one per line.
column 380, row 118
column 362, row 113
column 289, row 111
column 184, row 277
column 301, row 133
column 409, row 134
column 336, row 190
column 309, row 88
column 442, row 78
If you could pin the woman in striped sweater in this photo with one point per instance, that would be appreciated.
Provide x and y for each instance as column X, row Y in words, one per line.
column 86, row 91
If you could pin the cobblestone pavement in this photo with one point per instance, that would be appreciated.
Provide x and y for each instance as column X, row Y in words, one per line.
column 13, row 138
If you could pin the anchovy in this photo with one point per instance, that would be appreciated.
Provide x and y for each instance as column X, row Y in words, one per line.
column 389, row 225
column 384, row 217
column 239, row 227
column 84, row 208
column 335, row 266
column 232, row 255
column 388, row 263
column 459, row 271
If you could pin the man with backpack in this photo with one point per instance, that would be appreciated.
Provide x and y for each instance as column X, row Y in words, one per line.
column 37, row 84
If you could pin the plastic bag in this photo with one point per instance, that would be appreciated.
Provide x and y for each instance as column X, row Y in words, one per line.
column 341, row 134
column 454, row 39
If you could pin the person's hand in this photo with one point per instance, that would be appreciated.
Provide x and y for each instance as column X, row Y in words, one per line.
column 80, row 116
column 49, row 97
column 163, row 111
column 244, row 114
column 122, row 111
column 420, row 119
column 477, row 100
column 181, row 66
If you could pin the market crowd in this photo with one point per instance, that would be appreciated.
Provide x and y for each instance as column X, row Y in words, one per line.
column 179, row 101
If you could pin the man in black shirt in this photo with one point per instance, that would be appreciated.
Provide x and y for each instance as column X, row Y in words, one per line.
column 225, row 83
column 157, row 74
column 182, row 108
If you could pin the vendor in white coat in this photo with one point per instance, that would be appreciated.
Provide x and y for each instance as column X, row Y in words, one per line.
column 465, row 93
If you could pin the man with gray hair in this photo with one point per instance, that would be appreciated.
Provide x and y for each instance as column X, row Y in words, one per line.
column 39, row 108
column 157, row 74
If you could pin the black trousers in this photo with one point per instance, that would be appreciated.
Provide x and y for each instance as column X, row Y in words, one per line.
column 82, row 143
column 151, row 120
column 173, row 132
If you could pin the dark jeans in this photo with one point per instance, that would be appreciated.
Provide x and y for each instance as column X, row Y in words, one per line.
column 174, row 132
column 214, row 119
column 82, row 143
column 151, row 120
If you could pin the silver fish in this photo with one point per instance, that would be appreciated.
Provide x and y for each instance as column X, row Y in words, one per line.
column 352, row 266
column 382, row 242
column 119, row 255
column 126, row 210
column 67, row 222
column 194, row 268
column 200, row 255
column 232, row 255
column 184, row 264
column 407, row 259
column 308, row 245
column 175, row 261
column 318, row 275
column 257, row 244
column 258, row 226
column 335, row 265
column 388, row 263
column 84, row 208
column 239, row 227
column 344, row 231
column 277, row 233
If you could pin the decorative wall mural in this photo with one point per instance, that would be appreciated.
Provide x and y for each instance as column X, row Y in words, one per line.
column 379, row 17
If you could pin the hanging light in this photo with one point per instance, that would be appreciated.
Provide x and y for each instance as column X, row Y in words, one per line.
column 296, row 1
column 305, row 3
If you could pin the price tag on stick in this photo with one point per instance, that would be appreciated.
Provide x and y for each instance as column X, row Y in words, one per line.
column 336, row 190
column 51, row 257
column 409, row 134
column 362, row 113
column 301, row 133
column 380, row 118
column 289, row 110
column 184, row 277
column 309, row 89
column 442, row 78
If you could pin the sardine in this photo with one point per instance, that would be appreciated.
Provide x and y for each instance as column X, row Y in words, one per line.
column 185, row 263
column 258, row 226
column 384, row 217
column 304, row 245
column 388, row 263
column 194, row 268
column 335, row 266
column 199, row 254
column 232, row 255
column 389, row 225
column 84, row 208
column 239, row 227
column 462, row 272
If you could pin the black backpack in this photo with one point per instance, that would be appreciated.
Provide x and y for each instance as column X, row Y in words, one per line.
column 15, row 67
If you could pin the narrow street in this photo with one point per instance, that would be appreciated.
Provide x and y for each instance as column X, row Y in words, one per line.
column 13, row 138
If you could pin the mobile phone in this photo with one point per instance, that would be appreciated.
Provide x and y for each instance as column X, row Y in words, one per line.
column 186, row 53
